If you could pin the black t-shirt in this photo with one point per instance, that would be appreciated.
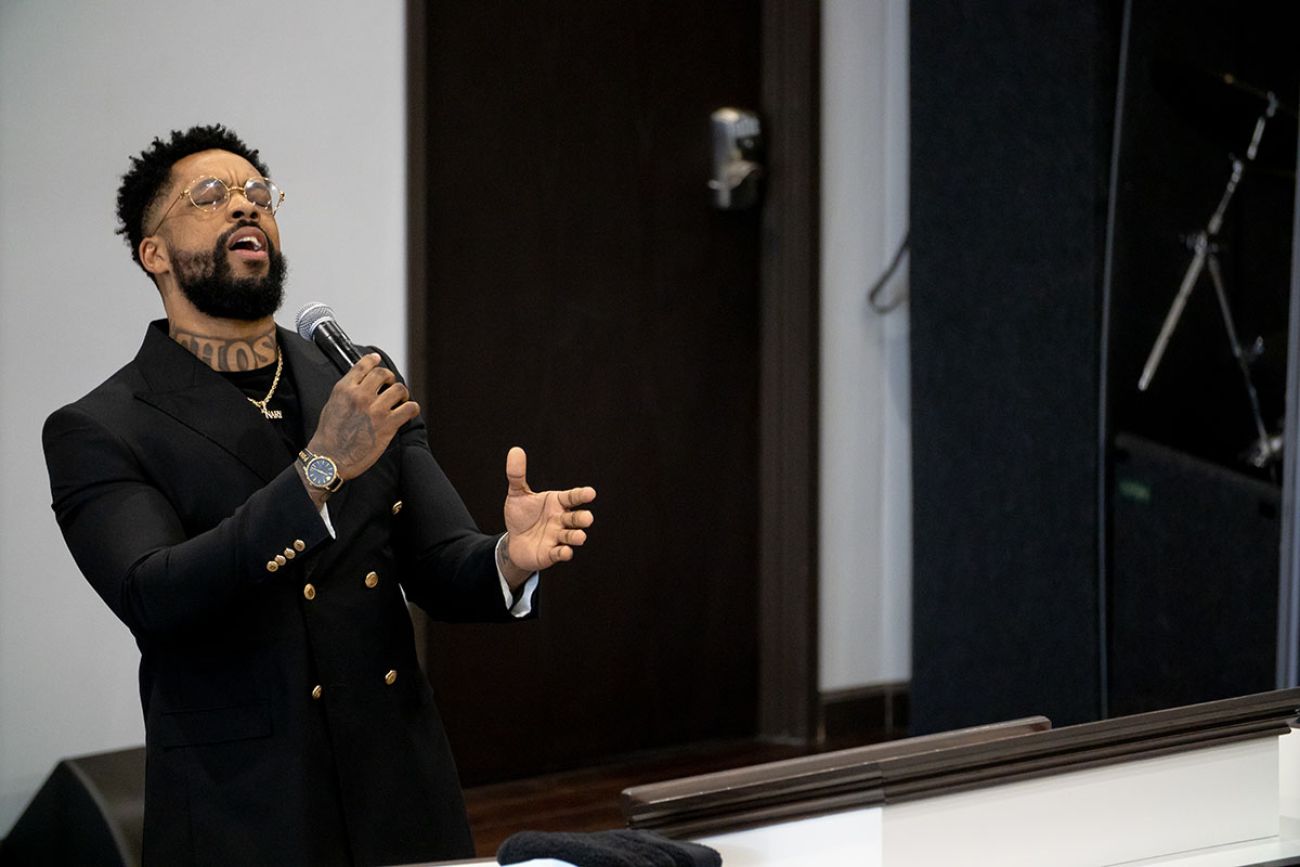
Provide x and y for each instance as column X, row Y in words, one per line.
column 256, row 383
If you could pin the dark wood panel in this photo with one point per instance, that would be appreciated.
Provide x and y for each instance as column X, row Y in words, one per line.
column 791, row 306
column 582, row 299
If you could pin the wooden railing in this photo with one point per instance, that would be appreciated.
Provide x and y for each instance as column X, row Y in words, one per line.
column 944, row 763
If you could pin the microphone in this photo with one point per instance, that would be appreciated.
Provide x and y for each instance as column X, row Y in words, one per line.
column 316, row 323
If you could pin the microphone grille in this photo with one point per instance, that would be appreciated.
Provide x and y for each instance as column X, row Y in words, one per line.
column 310, row 316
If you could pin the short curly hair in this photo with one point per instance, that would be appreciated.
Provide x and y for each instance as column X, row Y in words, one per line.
column 151, row 170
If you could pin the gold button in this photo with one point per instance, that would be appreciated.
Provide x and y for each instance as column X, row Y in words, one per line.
column 390, row 678
column 397, row 507
column 316, row 691
column 271, row 565
column 372, row 579
column 279, row 558
column 309, row 591
column 299, row 545
column 289, row 553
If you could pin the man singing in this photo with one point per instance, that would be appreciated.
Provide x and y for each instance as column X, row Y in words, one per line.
column 258, row 523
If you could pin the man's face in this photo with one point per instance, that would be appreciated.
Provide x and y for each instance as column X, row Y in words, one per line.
column 226, row 260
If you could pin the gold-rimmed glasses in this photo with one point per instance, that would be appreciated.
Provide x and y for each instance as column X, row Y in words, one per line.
column 208, row 193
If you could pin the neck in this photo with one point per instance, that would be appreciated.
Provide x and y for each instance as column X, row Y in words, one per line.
column 232, row 346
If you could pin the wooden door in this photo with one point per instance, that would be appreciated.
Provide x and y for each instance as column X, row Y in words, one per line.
column 584, row 300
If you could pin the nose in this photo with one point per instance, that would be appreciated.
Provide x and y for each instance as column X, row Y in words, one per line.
column 240, row 208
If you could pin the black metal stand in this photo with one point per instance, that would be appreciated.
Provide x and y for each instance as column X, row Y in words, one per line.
column 1204, row 257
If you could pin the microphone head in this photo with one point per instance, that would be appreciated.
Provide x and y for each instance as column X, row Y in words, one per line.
column 312, row 315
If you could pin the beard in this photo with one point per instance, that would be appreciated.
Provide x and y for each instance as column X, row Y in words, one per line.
column 208, row 282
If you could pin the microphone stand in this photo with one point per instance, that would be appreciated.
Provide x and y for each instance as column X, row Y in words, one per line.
column 1204, row 248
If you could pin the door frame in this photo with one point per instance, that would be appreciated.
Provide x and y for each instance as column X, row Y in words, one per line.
column 789, row 708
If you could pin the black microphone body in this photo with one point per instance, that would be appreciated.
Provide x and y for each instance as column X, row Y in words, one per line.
column 316, row 323
column 334, row 342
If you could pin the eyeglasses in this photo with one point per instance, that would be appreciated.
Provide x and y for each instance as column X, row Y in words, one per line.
column 208, row 194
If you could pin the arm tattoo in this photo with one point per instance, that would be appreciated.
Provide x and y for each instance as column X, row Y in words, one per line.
column 226, row 354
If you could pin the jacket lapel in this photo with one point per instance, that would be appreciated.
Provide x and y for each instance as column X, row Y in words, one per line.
column 189, row 391
column 313, row 375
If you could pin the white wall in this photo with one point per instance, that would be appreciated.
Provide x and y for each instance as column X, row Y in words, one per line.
column 318, row 85
column 865, row 543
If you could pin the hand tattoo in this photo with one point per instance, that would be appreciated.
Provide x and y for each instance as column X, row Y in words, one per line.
column 356, row 438
column 347, row 437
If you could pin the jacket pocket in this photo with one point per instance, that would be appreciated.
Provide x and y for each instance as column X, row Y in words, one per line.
column 211, row 726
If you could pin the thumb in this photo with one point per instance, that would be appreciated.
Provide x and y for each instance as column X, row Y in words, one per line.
column 517, row 471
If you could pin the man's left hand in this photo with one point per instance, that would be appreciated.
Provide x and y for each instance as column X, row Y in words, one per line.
column 543, row 526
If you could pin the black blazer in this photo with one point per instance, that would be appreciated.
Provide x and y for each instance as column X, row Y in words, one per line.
column 287, row 720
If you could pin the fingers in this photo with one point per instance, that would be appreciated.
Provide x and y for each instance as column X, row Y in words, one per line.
column 575, row 497
column 405, row 412
column 517, row 470
column 363, row 367
column 577, row 520
column 377, row 378
column 393, row 396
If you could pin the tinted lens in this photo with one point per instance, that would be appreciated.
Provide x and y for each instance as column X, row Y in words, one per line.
column 263, row 193
column 207, row 192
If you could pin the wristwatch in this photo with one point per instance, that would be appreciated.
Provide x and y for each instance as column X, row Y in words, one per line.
column 321, row 472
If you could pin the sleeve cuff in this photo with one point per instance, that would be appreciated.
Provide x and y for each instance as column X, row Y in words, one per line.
column 523, row 606
column 325, row 516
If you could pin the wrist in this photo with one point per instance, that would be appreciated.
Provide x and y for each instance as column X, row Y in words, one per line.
column 319, row 496
column 320, row 471
column 516, row 576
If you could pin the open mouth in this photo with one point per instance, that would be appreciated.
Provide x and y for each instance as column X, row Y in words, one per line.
column 248, row 243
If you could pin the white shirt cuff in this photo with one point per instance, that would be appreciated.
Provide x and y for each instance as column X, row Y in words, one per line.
column 524, row 605
column 325, row 516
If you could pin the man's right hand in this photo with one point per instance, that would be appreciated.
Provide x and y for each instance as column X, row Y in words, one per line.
column 362, row 416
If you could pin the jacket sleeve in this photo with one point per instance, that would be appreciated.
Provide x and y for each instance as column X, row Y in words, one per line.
column 129, row 541
column 450, row 567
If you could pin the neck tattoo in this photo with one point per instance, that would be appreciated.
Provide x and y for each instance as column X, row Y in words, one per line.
column 226, row 354
column 261, row 404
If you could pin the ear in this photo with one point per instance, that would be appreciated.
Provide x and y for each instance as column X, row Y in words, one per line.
column 154, row 255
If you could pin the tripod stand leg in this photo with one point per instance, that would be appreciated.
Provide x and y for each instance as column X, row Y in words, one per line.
column 1216, row 277
column 1175, row 311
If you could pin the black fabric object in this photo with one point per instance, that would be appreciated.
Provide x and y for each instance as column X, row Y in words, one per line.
column 1012, row 113
column 1190, row 622
column 88, row 813
column 607, row 849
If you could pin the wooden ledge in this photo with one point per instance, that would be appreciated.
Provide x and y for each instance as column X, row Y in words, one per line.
column 944, row 763
column 792, row 788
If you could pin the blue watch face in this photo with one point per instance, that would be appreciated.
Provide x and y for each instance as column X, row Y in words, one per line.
column 320, row 471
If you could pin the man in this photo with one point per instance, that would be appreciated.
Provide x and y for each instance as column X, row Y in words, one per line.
column 256, row 521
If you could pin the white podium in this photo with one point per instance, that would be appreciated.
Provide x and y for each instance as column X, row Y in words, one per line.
column 1206, row 785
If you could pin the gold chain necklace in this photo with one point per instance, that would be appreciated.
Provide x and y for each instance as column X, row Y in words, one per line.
column 261, row 404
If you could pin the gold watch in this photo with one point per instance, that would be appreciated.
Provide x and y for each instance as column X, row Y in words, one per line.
column 321, row 472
